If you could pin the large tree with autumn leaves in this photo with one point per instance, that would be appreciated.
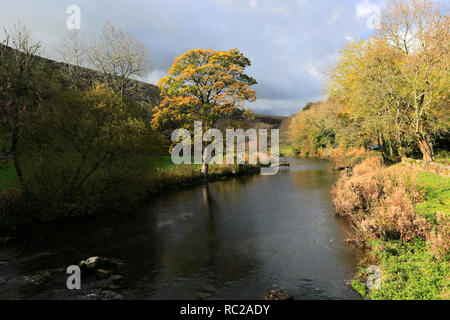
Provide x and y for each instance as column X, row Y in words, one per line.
column 203, row 85
column 394, row 86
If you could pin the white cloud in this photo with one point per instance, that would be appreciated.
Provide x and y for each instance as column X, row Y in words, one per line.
column 364, row 9
column 313, row 69
column 350, row 39
column 277, row 35
column 334, row 17
column 154, row 76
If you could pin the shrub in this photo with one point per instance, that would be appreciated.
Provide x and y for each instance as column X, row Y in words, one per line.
column 394, row 214
column 439, row 236
column 396, row 217
column 354, row 194
column 379, row 202
column 12, row 207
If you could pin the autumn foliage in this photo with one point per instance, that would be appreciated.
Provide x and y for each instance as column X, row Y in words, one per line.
column 203, row 85
column 381, row 204
column 389, row 90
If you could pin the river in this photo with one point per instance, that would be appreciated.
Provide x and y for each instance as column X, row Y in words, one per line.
column 235, row 239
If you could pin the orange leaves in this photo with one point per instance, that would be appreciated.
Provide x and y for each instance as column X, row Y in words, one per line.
column 204, row 85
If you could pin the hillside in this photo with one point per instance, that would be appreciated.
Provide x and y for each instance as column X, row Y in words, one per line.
column 150, row 92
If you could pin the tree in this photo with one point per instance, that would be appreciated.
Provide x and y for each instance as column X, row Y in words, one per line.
column 369, row 83
column 314, row 128
column 119, row 58
column 203, row 85
column 74, row 56
column 19, row 90
column 85, row 140
column 395, row 85
column 420, row 29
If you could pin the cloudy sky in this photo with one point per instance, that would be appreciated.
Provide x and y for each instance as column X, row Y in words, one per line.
column 291, row 43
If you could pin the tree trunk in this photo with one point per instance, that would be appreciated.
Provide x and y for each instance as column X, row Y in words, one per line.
column 205, row 169
column 426, row 147
column 382, row 147
column 205, row 165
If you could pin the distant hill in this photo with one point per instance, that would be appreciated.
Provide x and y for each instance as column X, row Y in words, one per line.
column 151, row 93
column 268, row 121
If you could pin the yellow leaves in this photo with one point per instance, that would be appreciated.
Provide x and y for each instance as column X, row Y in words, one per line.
column 204, row 85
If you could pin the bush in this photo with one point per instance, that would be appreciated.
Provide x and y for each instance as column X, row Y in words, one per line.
column 394, row 214
column 379, row 202
column 13, row 207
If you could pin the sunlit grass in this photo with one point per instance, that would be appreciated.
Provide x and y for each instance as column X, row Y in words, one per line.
column 409, row 272
column 437, row 194
column 287, row 151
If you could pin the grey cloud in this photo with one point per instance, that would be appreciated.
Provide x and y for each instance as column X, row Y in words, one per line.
column 291, row 43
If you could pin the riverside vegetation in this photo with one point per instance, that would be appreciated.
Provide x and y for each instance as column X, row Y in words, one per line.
column 85, row 137
column 403, row 218
column 390, row 93
column 75, row 141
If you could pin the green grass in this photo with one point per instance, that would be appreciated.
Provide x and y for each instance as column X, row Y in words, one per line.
column 165, row 162
column 437, row 194
column 161, row 162
column 287, row 151
column 410, row 272
column 7, row 174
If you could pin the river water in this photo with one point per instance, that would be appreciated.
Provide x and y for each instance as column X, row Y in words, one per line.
column 235, row 239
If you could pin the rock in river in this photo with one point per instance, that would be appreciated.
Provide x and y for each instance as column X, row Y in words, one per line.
column 279, row 294
column 102, row 267
column 111, row 295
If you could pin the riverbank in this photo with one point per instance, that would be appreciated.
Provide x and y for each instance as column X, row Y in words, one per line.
column 401, row 217
column 111, row 196
column 238, row 238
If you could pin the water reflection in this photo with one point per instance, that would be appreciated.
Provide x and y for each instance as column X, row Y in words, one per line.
column 232, row 239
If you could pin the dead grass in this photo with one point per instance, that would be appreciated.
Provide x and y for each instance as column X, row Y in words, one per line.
column 439, row 237
column 380, row 202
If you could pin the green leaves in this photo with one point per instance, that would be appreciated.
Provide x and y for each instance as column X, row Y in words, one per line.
column 410, row 272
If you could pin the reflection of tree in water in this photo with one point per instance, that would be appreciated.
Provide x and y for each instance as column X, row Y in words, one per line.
column 222, row 266
column 200, row 251
column 211, row 237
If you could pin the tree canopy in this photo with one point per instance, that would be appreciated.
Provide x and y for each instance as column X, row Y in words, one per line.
column 394, row 85
column 204, row 85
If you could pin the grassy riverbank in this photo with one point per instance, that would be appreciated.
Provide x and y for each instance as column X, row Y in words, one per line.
column 109, row 192
column 402, row 218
